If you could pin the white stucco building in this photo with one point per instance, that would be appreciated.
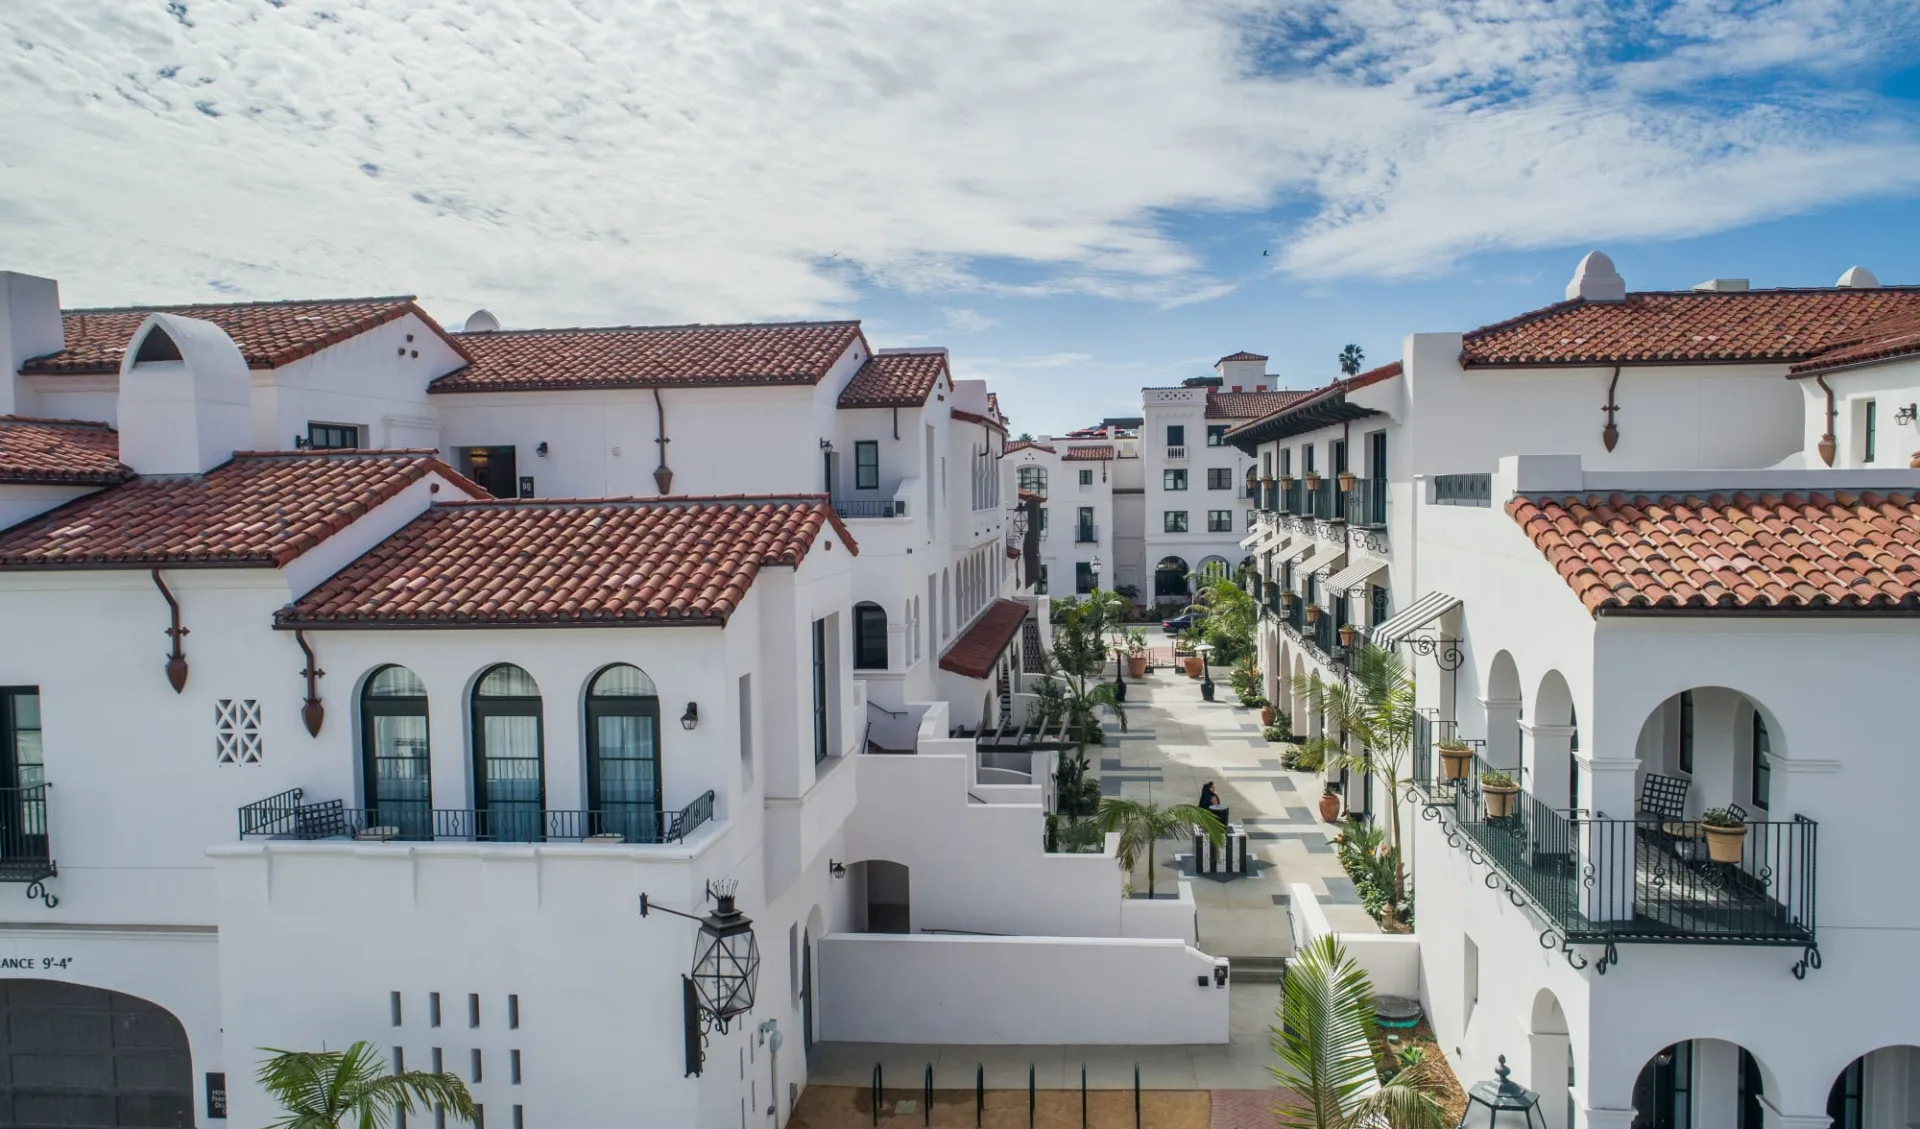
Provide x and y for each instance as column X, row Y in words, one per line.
column 1651, row 554
column 362, row 677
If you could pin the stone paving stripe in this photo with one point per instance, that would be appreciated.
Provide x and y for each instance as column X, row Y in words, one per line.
column 1340, row 892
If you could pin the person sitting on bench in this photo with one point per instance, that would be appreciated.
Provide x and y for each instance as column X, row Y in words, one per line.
column 1210, row 800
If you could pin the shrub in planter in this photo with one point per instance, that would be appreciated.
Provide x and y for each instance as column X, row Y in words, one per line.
column 1726, row 834
column 1309, row 760
column 1454, row 758
column 1499, row 790
column 1276, row 734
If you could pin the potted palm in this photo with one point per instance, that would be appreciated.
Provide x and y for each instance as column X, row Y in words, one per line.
column 1726, row 834
column 1454, row 756
column 1330, row 802
column 1499, row 790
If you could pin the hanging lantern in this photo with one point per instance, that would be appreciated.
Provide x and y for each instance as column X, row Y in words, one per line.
column 1502, row 1104
column 726, row 958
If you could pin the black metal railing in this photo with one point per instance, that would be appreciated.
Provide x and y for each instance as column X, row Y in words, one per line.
column 1429, row 730
column 1270, row 496
column 1367, row 503
column 869, row 507
column 1083, row 534
column 1463, row 489
column 1293, row 497
column 288, row 816
column 1597, row 879
column 26, row 850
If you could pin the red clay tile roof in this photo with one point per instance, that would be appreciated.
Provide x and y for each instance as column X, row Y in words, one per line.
column 59, row 450
column 1023, row 444
column 1895, row 338
column 980, row 646
column 269, row 334
column 1306, row 399
column 261, row 509
column 1795, row 552
column 671, row 356
column 1243, row 355
column 993, row 407
column 895, row 380
column 604, row 561
column 1249, row 405
column 975, row 417
column 1682, row 327
column 1087, row 454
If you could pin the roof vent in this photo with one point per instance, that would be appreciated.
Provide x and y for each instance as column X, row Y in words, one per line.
column 482, row 321
column 1595, row 280
column 1858, row 278
column 1722, row 286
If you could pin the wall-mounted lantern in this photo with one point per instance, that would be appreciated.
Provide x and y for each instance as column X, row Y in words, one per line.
column 690, row 720
column 726, row 968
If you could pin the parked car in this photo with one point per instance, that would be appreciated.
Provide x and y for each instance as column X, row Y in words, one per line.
column 1177, row 624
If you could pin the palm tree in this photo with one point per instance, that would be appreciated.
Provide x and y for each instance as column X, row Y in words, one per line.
column 1374, row 705
column 1350, row 359
column 331, row 1089
column 1326, row 1051
column 1227, row 615
column 1142, row 824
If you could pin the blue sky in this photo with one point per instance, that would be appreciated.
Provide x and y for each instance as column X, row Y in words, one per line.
column 1073, row 196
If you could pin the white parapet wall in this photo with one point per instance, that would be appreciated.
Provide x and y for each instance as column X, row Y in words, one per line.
column 1161, row 917
column 1391, row 960
column 880, row 988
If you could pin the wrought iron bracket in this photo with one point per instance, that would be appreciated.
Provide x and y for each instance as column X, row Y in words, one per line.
column 1371, row 540
column 1441, row 649
column 38, row 889
column 1809, row 959
column 177, row 661
column 1611, row 956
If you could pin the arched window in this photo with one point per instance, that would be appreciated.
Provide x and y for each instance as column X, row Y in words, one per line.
column 623, row 754
column 869, row 637
column 509, row 777
column 396, row 772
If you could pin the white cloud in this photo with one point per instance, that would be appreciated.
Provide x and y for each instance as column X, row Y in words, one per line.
column 962, row 320
column 593, row 160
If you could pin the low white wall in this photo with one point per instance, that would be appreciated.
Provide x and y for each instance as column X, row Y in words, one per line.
column 1012, row 792
column 1392, row 960
column 878, row 988
column 1160, row 917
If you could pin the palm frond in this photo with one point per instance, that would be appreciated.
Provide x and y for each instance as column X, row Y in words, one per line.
column 1323, row 1048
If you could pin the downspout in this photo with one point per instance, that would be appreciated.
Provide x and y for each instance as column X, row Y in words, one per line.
column 1827, row 443
column 313, row 713
column 1610, row 434
column 177, row 661
column 662, row 477
column 896, row 423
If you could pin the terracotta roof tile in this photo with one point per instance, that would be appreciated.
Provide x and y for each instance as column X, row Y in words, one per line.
column 1681, row 327
column 1791, row 551
column 604, row 561
column 59, row 450
column 260, row 509
column 1087, row 454
column 1022, row 444
column 269, row 334
column 1305, row 399
column 1892, row 339
column 993, row 422
column 1243, row 355
column 1249, row 405
column 893, row 379
column 650, row 356
column 973, row 654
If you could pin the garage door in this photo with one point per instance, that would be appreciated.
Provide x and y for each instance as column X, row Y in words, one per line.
column 75, row 1057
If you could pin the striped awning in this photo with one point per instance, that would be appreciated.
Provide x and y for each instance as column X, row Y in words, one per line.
column 1355, row 575
column 1331, row 562
column 1294, row 551
column 1423, row 611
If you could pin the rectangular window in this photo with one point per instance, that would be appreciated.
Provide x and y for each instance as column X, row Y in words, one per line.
column 1252, row 516
column 474, row 1059
column 1219, row 478
column 1176, row 435
column 1083, row 529
column 473, row 1009
column 393, row 1006
column 1470, row 975
column 513, row 1012
column 1216, row 434
column 1174, row 521
column 1086, row 478
column 819, row 690
column 1286, row 460
column 746, row 730
column 399, row 1060
column 513, row 1066
column 1762, row 763
column 1219, row 521
column 1869, row 440
column 869, row 637
column 1173, row 479
column 1686, row 732
column 1082, row 577
column 866, row 464
column 1306, row 459
column 433, row 1010
column 493, row 468
column 439, row 1061
column 332, row 436
column 1032, row 478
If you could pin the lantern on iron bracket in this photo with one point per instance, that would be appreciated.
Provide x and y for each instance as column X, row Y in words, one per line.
column 726, row 968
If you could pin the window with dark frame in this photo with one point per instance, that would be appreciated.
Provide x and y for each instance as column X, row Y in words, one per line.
column 493, row 468
column 1086, row 478
column 1082, row 577
column 869, row 637
column 1216, row 434
column 1174, row 521
column 1868, row 451
column 1686, row 732
column 819, row 690
column 1219, row 521
column 332, row 436
column 1762, row 763
column 1219, row 478
column 623, row 754
column 1286, row 460
column 866, row 464
column 1173, row 480
column 1176, row 435
column 1306, row 458
column 508, row 765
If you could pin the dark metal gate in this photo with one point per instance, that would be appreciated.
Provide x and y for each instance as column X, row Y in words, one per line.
column 73, row 1057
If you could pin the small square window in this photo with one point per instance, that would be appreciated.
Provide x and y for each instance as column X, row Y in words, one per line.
column 1219, row 478
column 1086, row 478
column 1173, row 480
column 332, row 436
column 1176, row 435
column 1216, row 434
column 1219, row 521
column 1174, row 521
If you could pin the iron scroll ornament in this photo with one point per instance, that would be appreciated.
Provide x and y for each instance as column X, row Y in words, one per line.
column 38, row 889
column 1442, row 650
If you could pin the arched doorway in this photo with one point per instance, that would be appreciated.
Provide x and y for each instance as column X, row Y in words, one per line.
column 1551, row 1070
column 84, row 1056
column 1170, row 579
column 623, row 754
column 1212, row 569
column 1873, row 1090
column 883, row 891
column 1700, row 1082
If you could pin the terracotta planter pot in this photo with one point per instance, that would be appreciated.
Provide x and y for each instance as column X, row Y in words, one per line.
column 1286, row 482
column 1267, row 482
column 1194, row 666
column 1136, row 666
column 1724, row 843
column 1453, row 763
column 1500, row 799
column 1268, row 715
column 1329, row 808
column 1287, row 598
column 1313, row 482
column 1313, row 613
column 1348, row 481
column 1346, row 635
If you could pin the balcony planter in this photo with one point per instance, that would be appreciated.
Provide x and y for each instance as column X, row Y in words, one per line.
column 1286, row 482
column 1267, row 481
column 1726, row 835
column 1313, row 482
column 1287, row 598
column 1347, row 481
column 1313, row 613
column 1499, row 792
column 1330, row 803
column 1453, row 760
column 1346, row 634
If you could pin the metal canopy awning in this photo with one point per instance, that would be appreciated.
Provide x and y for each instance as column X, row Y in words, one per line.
column 1295, row 551
column 1330, row 563
column 1356, row 574
column 1425, row 610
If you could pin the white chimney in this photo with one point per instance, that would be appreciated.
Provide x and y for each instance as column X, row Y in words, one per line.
column 1722, row 286
column 1858, row 278
column 29, row 327
column 1595, row 280
column 482, row 321
column 185, row 397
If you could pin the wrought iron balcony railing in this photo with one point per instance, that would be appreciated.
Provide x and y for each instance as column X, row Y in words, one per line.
column 26, row 850
column 869, row 507
column 1601, row 881
column 1463, row 489
column 289, row 816
column 1367, row 504
column 1086, row 534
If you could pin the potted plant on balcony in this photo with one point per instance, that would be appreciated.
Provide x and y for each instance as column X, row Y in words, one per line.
column 1726, row 834
column 1286, row 482
column 1348, row 480
column 1499, row 790
column 1330, row 802
column 1136, row 653
column 1346, row 634
column 1313, row 613
column 1287, row 597
column 1454, row 757
column 1313, row 480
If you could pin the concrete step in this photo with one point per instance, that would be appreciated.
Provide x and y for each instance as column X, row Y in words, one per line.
column 1257, row 970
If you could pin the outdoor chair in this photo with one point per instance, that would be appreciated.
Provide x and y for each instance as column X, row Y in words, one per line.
column 1663, row 805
